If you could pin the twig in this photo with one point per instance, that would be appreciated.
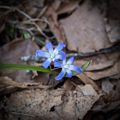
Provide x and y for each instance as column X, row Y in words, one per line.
column 42, row 12
column 101, row 51
column 5, row 7
column 33, row 20
column 27, row 16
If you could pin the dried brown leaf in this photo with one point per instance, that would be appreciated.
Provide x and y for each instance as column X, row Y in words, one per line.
column 110, row 72
column 88, row 90
column 102, row 65
column 54, row 24
column 86, row 80
column 67, row 7
column 49, row 104
column 8, row 86
column 85, row 30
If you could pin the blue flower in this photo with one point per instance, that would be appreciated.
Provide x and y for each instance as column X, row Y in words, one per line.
column 67, row 68
column 51, row 54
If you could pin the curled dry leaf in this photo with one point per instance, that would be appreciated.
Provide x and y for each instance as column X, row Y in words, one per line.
column 9, row 86
column 110, row 72
column 102, row 65
column 99, row 62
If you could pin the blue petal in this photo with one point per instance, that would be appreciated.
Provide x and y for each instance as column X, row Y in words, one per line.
column 69, row 74
column 46, row 63
column 59, row 47
column 71, row 60
column 75, row 68
column 57, row 64
column 49, row 47
column 61, row 75
column 64, row 62
column 63, row 55
column 60, row 56
column 40, row 53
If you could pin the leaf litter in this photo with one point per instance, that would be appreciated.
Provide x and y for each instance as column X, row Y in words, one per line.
column 77, row 23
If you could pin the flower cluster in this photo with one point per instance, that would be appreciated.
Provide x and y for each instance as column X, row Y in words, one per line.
column 58, row 58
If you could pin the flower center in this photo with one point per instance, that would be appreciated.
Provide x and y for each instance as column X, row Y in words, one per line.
column 52, row 55
column 66, row 66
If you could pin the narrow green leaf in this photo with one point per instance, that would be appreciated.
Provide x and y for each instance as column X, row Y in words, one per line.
column 85, row 65
column 24, row 67
column 26, row 35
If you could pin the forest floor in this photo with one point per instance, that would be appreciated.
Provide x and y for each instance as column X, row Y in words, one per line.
column 90, row 29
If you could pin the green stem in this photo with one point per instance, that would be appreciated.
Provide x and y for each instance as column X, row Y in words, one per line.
column 24, row 67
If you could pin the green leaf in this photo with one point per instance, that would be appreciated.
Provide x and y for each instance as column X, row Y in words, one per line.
column 26, row 35
column 85, row 65
column 24, row 67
